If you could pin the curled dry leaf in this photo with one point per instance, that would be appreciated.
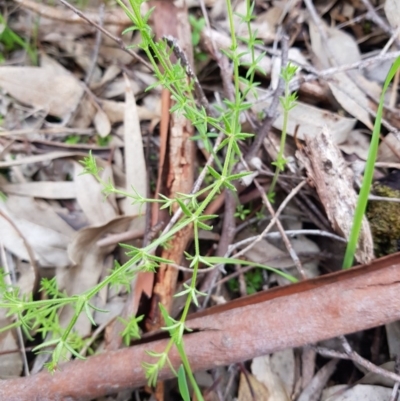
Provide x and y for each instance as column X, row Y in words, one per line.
column 333, row 181
column 46, row 232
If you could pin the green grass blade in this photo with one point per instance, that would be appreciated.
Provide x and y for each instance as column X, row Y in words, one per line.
column 368, row 175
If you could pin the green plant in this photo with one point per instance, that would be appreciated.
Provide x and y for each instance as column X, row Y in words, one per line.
column 241, row 212
column 197, row 25
column 368, row 174
column 288, row 101
column 10, row 41
column 41, row 316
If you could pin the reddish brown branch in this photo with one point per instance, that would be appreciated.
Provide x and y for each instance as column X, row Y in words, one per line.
column 291, row 316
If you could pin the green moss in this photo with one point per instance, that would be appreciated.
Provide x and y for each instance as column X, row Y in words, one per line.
column 384, row 219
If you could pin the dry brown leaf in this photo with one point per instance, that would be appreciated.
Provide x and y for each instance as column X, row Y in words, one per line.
column 57, row 94
column 116, row 111
column 251, row 389
column 263, row 372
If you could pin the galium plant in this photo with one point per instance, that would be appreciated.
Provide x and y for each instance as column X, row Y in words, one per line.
column 288, row 101
column 42, row 316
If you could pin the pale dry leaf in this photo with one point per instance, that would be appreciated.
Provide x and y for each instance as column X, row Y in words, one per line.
column 357, row 143
column 310, row 120
column 109, row 54
column 389, row 149
column 333, row 180
column 113, row 16
column 110, row 74
column 40, row 158
column 340, row 45
column 254, row 391
column 52, row 66
column 283, row 364
column 116, row 111
column 377, row 379
column 295, row 56
column 10, row 362
column 356, row 393
column 223, row 42
column 118, row 87
column 135, row 164
column 57, row 94
column 262, row 371
column 81, row 52
column 351, row 97
column 102, row 123
column 392, row 12
column 90, row 197
column 42, row 189
column 340, row 49
column 263, row 26
column 46, row 232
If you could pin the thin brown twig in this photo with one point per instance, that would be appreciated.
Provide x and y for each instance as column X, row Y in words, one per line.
column 116, row 39
column 285, row 239
column 96, row 49
column 353, row 356
column 282, row 206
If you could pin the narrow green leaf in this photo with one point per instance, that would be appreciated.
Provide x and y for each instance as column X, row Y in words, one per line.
column 182, row 383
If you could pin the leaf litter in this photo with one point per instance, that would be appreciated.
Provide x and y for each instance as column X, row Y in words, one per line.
column 52, row 117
